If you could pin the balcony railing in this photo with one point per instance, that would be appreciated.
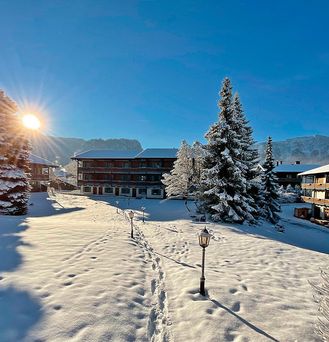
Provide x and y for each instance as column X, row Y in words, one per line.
column 39, row 177
column 122, row 170
column 315, row 186
column 118, row 182
column 313, row 200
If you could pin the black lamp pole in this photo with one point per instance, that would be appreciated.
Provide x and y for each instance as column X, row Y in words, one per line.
column 203, row 279
column 143, row 209
column 131, row 216
column 132, row 228
column 204, row 239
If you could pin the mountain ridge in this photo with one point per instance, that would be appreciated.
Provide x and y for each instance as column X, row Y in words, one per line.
column 60, row 149
column 313, row 149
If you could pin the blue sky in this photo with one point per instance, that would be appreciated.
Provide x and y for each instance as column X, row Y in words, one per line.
column 151, row 70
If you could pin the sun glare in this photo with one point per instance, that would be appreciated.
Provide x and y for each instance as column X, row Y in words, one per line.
column 30, row 121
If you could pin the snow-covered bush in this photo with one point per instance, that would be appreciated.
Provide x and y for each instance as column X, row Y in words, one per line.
column 322, row 297
column 289, row 194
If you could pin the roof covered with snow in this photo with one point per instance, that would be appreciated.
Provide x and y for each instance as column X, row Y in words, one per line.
column 321, row 169
column 294, row 167
column 42, row 161
column 110, row 154
column 158, row 153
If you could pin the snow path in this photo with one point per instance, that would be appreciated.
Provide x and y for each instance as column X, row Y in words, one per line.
column 69, row 271
column 87, row 279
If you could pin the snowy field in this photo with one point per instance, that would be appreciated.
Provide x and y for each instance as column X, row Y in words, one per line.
column 69, row 271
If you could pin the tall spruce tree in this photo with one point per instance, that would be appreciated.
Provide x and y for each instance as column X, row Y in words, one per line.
column 270, row 186
column 198, row 155
column 224, row 183
column 178, row 182
column 14, row 160
column 249, row 155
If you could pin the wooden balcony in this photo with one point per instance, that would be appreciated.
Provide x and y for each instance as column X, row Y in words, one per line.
column 120, row 170
column 315, row 186
column 35, row 177
column 318, row 201
column 118, row 183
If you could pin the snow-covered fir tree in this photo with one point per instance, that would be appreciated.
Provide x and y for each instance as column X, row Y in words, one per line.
column 179, row 181
column 270, row 186
column 14, row 163
column 224, row 184
column 249, row 154
column 198, row 156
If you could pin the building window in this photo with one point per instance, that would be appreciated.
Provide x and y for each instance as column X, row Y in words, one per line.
column 143, row 165
column 45, row 171
column 156, row 192
column 125, row 177
column 108, row 190
column 125, row 191
column 141, row 178
column 156, row 164
column 106, row 176
column 87, row 176
column 142, row 192
column 125, row 165
column 109, row 164
column 86, row 189
column 87, row 164
column 80, row 176
column 154, row 178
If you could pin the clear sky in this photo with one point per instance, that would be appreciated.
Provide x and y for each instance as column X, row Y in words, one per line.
column 151, row 70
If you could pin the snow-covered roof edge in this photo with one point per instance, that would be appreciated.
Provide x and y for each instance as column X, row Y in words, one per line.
column 295, row 167
column 39, row 160
column 112, row 154
column 321, row 169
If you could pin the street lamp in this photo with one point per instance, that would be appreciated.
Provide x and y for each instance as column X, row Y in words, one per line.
column 204, row 239
column 117, row 203
column 143, row 209
column 131, row 216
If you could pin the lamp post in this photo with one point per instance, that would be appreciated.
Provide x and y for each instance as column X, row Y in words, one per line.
column 204, row 239
column 143, row 209
column 131, row 216
column 117, row 203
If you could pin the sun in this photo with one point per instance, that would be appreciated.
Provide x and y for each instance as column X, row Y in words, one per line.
column 31, row 121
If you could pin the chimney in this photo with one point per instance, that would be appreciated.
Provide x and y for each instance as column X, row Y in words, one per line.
column 277, row 163
column 297, row 162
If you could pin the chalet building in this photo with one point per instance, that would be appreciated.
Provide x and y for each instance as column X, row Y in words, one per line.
column 124, row 173
column 40, row 172
column 315, row 188
column 288, row 173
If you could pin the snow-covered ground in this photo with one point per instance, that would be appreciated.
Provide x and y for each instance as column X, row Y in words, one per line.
column 69, row 271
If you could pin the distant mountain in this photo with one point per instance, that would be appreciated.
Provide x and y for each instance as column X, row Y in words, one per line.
column 60, row 150
column 308, row 150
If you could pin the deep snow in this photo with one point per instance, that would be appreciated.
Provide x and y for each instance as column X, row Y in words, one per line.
column 69, row 271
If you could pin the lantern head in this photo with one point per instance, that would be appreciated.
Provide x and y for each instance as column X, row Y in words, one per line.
column 204, row 238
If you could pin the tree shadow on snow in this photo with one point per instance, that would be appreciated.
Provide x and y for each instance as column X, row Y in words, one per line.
column 156, row 209
column 41, row 204
column 20, row 312
column 295, row 234
column 10, row 240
